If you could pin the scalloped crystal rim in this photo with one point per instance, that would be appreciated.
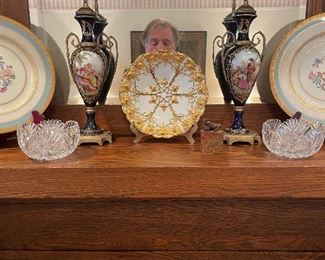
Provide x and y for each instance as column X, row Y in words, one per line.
column 48, row 140
column 293, row 138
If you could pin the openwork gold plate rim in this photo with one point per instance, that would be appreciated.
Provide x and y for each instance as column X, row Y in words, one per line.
column 163, row 93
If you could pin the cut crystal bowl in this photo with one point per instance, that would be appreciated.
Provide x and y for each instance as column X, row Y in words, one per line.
column 48, row 140
column 293, row 138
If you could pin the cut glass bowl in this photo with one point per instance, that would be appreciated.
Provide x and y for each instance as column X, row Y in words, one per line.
column 48, row 140
column 293, row 138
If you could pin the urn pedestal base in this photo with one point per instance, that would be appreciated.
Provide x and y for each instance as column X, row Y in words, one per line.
column 106, row 136
column 250, row 137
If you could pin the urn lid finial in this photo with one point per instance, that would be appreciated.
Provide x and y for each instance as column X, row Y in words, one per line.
column 229, row 18
column 85, row 10
column 233, row 5
column 245, row 9
column 100, row 18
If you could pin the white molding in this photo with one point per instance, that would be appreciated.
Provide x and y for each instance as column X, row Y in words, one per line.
column 159, row 4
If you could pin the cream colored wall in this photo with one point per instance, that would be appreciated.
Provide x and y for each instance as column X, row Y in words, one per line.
column 54, row 25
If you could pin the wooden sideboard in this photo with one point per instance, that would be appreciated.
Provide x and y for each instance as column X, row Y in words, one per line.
column 162, row 199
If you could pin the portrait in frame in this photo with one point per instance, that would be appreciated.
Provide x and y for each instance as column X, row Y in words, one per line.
column 192, row 43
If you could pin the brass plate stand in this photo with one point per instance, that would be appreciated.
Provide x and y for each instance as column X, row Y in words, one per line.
column 140, row 136
column 106, row 136
column 250, row 137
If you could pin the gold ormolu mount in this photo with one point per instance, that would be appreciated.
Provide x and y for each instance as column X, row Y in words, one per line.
column 250, row 137
column 242, row 135
column 99, row 138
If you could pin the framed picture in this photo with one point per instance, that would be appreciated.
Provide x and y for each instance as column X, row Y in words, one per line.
column 192, row 43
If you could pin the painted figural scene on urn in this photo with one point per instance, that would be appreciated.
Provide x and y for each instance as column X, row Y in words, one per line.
column 92, row 65
column 239, row 61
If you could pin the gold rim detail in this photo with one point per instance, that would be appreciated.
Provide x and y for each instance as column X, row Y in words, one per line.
column 277, row 56
column 163, row 93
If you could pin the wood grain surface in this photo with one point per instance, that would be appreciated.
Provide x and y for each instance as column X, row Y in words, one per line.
column 161, row 170
column 16, row 9
column 158, row 255
column 145, row 225
column 315, row 7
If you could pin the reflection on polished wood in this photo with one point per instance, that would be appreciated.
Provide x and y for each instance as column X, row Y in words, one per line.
column 162, row 199
column 161, row 170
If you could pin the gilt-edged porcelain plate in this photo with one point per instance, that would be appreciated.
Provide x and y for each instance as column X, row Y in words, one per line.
column 163, row 93
column 297, row 70
column 27, row 77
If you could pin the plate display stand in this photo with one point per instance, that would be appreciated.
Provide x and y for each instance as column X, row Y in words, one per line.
column 139, row 136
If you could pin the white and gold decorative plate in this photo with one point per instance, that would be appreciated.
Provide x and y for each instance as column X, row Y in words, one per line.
column 27, row 77
column 297, row 70
column 163, row 93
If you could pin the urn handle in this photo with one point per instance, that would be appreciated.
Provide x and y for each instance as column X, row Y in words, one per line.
column 257, row 38
column 109, row 42
column 217, row 40
column 220, row 42
column 74, row 40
